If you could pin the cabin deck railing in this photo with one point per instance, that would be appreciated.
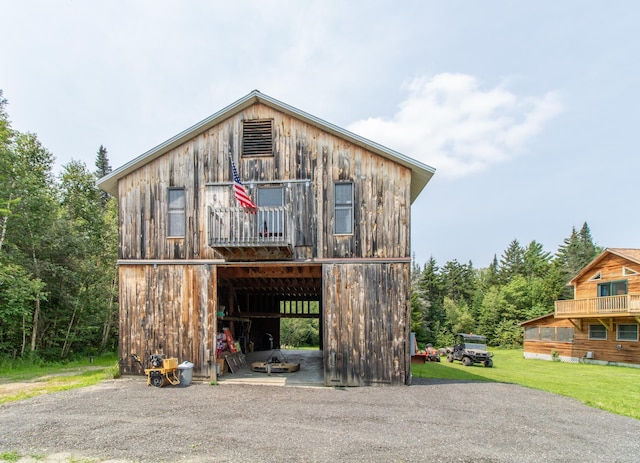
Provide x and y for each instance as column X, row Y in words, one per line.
column 608, row 305
column 235, row 226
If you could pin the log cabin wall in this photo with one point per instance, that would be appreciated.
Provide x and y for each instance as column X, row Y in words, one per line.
column 167, row 309
column 610, row 269
column 366, row 324
column 609, row 350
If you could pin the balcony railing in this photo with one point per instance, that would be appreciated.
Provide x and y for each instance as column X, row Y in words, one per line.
column 236, row 227
column 604, row 306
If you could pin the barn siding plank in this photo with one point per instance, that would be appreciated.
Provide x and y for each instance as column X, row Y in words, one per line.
column 366, row 323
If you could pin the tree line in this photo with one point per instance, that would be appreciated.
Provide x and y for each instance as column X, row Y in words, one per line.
column 58, row 277
column 523, row 284
column 58, row 251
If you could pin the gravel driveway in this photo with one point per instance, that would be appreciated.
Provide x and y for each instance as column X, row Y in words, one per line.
column 431, row 421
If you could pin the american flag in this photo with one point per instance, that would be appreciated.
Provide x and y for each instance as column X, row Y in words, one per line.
column 240, row 192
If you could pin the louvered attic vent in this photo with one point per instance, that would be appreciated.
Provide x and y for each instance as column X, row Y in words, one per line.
column 257, row 137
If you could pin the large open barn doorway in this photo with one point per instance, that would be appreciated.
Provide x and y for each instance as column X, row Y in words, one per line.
column 265, row 306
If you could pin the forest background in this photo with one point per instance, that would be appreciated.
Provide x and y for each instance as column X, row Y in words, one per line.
column 58, row 274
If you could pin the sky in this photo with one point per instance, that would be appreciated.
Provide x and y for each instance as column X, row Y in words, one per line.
column 529, row 110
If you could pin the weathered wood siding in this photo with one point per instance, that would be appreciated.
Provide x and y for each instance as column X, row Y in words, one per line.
column 611, row 270
column 366, row 324
column 381, row 204
column 170, row 309
column 167, row 309
column 301, row 153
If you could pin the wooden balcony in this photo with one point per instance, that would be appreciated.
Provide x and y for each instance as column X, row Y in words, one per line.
column 241, row 235
column 627, row 305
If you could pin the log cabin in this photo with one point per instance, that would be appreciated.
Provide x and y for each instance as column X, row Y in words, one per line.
column 600, row 325
column 323, row 232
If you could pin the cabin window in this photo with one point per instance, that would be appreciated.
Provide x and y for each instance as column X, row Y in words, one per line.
column 257, row 137
column 343, row 208
column 548, row 333
column 176, row 213
column 612, row 288
column 270, row 211
column 597, row 332
column 597, row 276
column 531, row 333
column 627, row 271
column 627, row 333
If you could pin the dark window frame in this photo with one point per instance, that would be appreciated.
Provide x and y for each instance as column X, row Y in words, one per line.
column 607, row 288
column 600, row 327
column 625, row 339
column 271, row 223
column 174, row 213
column 343, row 206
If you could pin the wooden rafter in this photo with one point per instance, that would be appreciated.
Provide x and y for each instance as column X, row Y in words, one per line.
column 577, row 323
column 607, row 323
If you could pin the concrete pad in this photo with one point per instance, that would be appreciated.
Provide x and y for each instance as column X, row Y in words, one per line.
column 310, row 374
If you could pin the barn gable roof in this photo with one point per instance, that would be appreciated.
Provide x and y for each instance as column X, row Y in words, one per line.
column 630, row 254
column 420, row 173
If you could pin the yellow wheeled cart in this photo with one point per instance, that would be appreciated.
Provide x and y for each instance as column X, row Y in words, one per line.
column 162, row 371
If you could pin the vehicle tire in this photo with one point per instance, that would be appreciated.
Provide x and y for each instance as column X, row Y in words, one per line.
column 450, row 358
column 157, row 380
column 488, row 363
column 466, row 361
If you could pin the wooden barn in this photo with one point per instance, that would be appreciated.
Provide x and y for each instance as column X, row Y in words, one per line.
column 600, row 325
column 328, row 238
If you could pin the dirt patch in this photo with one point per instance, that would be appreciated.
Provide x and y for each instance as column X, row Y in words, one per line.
column 441, row 421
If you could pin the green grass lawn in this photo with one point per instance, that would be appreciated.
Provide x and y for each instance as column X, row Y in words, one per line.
column 42, row 379
column 614, row 389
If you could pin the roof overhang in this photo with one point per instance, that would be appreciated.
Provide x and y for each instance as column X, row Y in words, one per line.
column 420, row 173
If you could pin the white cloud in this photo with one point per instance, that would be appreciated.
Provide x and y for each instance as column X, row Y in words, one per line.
column 449, row 122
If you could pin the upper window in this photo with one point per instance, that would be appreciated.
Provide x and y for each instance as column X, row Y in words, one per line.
column 597, row 276
column 176, row 213
column 627, row 271
column 612, row 288
column 343, row 207
column 257, row 137
column 270, row 213
column 597, row 332
column 627, row 332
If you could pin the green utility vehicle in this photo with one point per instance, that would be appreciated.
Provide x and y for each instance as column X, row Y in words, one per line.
column 470, row 349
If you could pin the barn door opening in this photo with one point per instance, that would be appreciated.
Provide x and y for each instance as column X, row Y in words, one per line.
column 271, row 305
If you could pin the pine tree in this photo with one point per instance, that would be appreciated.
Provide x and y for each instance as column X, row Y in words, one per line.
column 102, row 168
column 459, row 282
column 574, row 254
column 427, row 303
column 512, row 262
column 536, row 260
